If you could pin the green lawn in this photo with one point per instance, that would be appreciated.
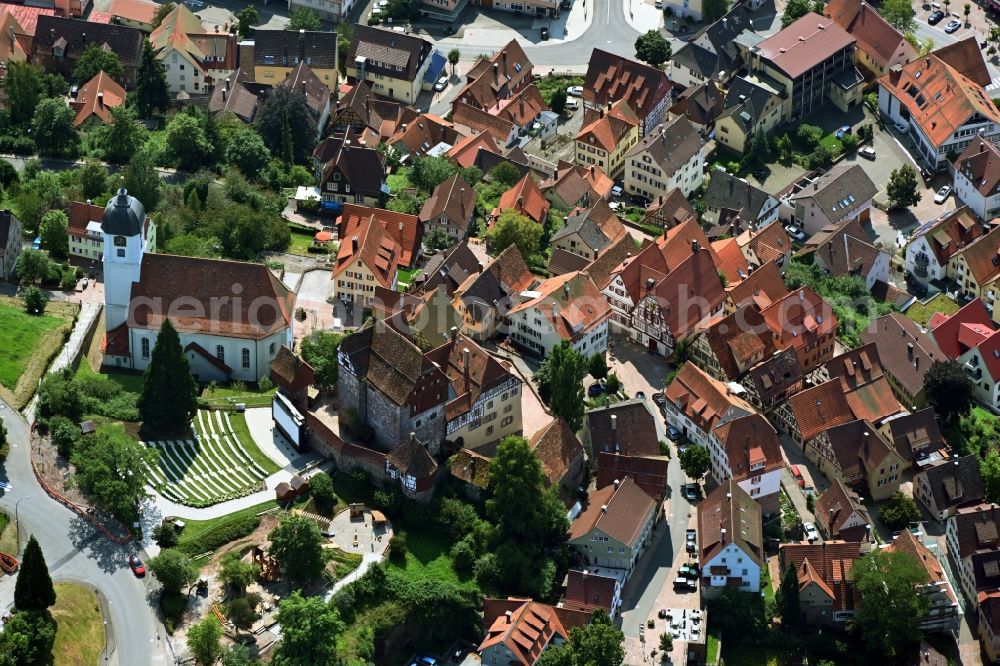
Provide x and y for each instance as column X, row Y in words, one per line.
column 239, row 423
column 922, row 312
column 79, row 626
column 196, row 528
column 756, row 655
column 765, row 582
column 405, row 276
column 342, row 563
column 427, row 558
column 549, row 84
column 129, row 382
column 399, row 180
column 20, row 335
column 712, row 646
column 832, row 143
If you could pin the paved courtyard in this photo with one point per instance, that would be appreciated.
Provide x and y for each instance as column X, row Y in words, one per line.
column 358, row 535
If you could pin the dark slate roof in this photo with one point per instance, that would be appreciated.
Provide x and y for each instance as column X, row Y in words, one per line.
column 727, row 191
column 634, row 431
column 955, row 482
column 671, row 144
column 745, row 100
column 701, row 104
column 449, row 269
column 906, row 352
column 124, row 215
column 124, row 41
column 362, row 167
column 282, row 47
column 562, row 262
column 724, row 56
column 412, row 459
column 697, row 58
column 390, row 48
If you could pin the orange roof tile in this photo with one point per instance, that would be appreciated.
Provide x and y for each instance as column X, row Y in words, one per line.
column 820, row 408
column 527, row 199
column 97, row 97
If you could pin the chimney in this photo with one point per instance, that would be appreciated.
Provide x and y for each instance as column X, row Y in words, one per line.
column 100, row 99
column 694, row 246
column 223, row 94
column 354, row 244
column 722, row 535
column 614, row 422
column 454, row 332
column 83, row 37
column 496, row 72
column 462, row 199
column 466, row 354
column 302, row 45
column 507, row 614
column 604, row 508
column 617, row 483
column 227, row 83
column 909, row 350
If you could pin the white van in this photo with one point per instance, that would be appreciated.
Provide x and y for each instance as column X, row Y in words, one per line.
column 572, row 104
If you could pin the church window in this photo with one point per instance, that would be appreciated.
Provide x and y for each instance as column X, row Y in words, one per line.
column 220, row 353
column 145, row 347
column 246, row 357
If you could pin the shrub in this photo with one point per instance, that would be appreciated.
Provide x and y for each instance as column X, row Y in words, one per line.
column 165, row 535
column 383, row 499
column 321, row 487
column 220, row 535
column 397, row 546
column 65, row 434
column 463, row 555
column 487, row 571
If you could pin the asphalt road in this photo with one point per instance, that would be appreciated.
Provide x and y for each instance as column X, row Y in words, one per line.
column 75, row 551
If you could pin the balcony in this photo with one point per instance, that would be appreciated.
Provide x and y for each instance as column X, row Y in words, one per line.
column 920, row 271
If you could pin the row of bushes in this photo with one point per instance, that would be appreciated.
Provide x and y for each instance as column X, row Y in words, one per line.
column 236, row 494
column 237, row 528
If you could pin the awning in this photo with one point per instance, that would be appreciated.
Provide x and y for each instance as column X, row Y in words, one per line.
column 378, row 518
column 438, row 62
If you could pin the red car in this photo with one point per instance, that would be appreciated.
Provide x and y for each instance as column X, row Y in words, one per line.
column 138, row 568
column 797, row 475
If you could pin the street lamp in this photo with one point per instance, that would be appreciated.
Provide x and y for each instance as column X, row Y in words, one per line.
column 17, row 522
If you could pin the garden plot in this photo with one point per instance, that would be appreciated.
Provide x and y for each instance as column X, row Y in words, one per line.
column 212, row 467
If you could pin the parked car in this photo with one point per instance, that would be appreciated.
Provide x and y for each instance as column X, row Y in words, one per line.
column 673, row 433
column 545, row 33
column 572, row 104
column 810, row 531
column 659, row 398
column 935, row 17
column 138, row 568
column 867, row 152
column 691, row 541
column 682, row 584
column 953, row 26
column 441, row 84
column 687, row 571
column 795, row 232
column 691, row 491
column 846, row 129
column 797, row 475
column 617, row 190
column 640, row 200
column 575, row 91
column 596, row 389
column 942, row 194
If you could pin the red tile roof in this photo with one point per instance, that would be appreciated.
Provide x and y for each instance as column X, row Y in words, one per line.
column 762, row 287
column 689, row 294
column 620, row 512
column 376, row 248
column 731, row 260
column 820, row 408
column 405, row 229
column 97, row 97
column 804, row 44
column 465, row 151
column 971, row 323
column 81, row 214
column 558, row 450
column 983, row 257
column 136, row 10
column 578, row 302
column 527, row 199
column 873, row 33
column 874, row 402
column 828, row 565
column 526, row 632
column 751, row 446
column 938, row 98
column 26, row 17
column 290, row 372
column 966, row 57
column 609, row 129
column 703, row 400
column 482, row 122
column 800, row 318
column 730, row 516
column 589, row 591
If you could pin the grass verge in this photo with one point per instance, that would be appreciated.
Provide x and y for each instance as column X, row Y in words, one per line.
column 922, row 312
column 79, row 626
column 712, row 646
column 427, row 558
column 242, row 431
column 342, row 563
column 28, row 344
column 196, row 529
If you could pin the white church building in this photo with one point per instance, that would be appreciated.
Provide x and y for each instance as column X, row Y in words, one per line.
column 232, row 317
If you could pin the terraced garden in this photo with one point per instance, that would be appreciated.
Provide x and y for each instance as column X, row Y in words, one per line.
column 220, row 464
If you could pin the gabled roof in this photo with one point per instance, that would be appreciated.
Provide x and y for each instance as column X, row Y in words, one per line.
column 589, row 591
column 857, row 446
column 844, row 187
column 905, row 351
column 873, row 33
column 491, row 80
column 472, row 468
column 650, row 474
column 956, row 482
column 412, row 459
column 468, row 377
column 774, row 377
column 939, row 99
column 522, row 108
column 319, row 47
column 619, row 510
column 804, row 44
column 603, row 268
column 385, row 50
column 916, row 435
column 624, row 427
column 835, row 506
column 762, row 287
column 597, row 226
column 527, row 199
column 800, row 318
column 819, row 408
column 689, row 293
column 701, row 104
column 730, row 260
column 747, row 97
column 670, row 144
column 557, row 448
column 855, row 367
column 561, row 262
column 739, row 338
column 238, row 95
column 963, row 330
column 874, row 401
column 482, row 122
column 500, row 282
column 611, row 77
column 140, row 11
column 571, row 302
column 423, row 133
column 727, row 191
column 827, row 565
column 96, row 98
column 361, row 166
column 704, row 400
column 450, row 269
column 949, row 232
column 670, row 210
column 526, row 632
column 25, row 17
column 980, row 164
column 730, row 515
column 368, row 242
column 983, row 257
column 290, row 371
column 976, row 529
column 404, row 229
column 721, row 53
column 126, row 42
column 844, row 249
column 751, row 446
column 453, row 198
column 266, row 306
column 610, row 128
column 967, row 58
column 303, row 79
column 464, row 152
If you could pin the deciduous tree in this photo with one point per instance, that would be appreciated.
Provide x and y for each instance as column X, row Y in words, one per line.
column 286, row 125
column 162, row 12
column 169, row 397
column 303, row 18
column 112, row 467
column 902, row 187
column 243, row 611
column 246, row 18
column 121, row 138
column 298, row 546
column 237, row 572
column 319, row 349
column 35, row 300
column 95, row 59
column 713, row 10
column 653, row 48
column 245, row 150
column 52, row 128
column 24, row 86
column 173, row 569
column 188, row 147
column 898, row 13
column 598, row 366
column 899, row 511
column 33, row 590
column 514, row 229
column 27, row 639
column 142, row 180
column 31, row 265
column 949, row 389
column 205, row 640
column 54, row 232
column 309, row 632
column 563, row 373
column 695, row 461
column 892, row 604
